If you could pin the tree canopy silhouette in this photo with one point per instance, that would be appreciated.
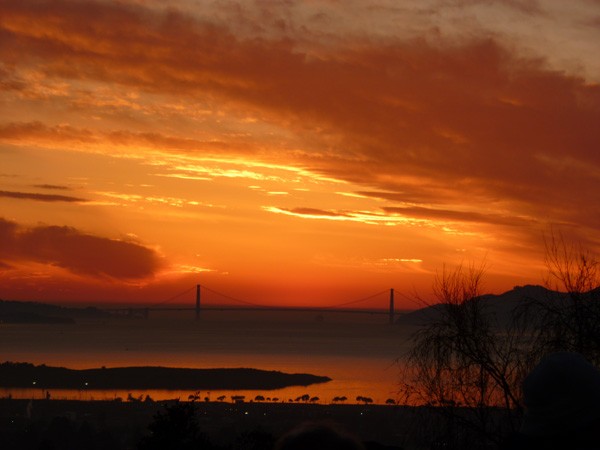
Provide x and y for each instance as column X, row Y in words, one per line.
column 470, row 365
column 175, row 428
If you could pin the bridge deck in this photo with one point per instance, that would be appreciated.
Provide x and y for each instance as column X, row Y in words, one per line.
column 247, row 308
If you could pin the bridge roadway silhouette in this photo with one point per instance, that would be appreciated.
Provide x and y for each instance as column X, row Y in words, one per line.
column 249, row 306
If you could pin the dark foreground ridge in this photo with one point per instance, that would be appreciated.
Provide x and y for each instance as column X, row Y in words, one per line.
column 26, row 375
column 122, row 425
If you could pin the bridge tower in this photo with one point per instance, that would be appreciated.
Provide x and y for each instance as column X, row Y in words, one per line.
column 391, row 306
column 197, row 301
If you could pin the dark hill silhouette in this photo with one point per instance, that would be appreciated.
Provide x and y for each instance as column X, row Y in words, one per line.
column 501, row 306
column 23, row 375
column 34, row 312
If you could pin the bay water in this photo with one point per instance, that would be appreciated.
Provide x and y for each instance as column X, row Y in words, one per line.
column 359, row 352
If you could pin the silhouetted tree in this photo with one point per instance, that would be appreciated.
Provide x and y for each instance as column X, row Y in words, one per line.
column 571, row 321
column 364, row 399
column 303, row 398
column 463, row 361
column 175, row 428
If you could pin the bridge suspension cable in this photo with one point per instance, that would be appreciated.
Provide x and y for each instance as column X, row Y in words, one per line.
column 256, row 305
column 232, row 298
column 352, row 302
column 170, row 299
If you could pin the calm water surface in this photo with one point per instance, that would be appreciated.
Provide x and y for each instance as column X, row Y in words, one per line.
column 357, row 351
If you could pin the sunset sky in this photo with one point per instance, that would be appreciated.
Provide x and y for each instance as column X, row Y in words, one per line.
column 291, row 152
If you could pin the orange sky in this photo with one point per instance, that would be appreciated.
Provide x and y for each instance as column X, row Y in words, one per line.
column 291, row 152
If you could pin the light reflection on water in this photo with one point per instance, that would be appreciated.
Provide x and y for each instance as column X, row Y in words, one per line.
column 357, row 351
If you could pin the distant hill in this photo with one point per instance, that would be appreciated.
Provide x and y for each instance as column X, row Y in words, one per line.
column 500, row 306
column 34, row 312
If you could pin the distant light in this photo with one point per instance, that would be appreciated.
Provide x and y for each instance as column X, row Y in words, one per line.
column 86, row 383
column 246, row 413
column 34, row 382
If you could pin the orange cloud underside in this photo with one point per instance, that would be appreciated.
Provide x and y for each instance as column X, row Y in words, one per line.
column 286, row 167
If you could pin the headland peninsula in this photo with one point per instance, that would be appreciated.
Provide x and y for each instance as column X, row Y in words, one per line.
column 26, row 375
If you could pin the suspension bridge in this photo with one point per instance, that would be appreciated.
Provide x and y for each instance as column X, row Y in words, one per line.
column 236, row 304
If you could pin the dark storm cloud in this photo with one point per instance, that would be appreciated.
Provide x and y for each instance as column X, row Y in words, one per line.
column 77, row 252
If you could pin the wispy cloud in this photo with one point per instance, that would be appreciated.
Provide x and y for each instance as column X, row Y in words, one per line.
column 41, row 197
column 38, row 133
column 459, row 216
column 384, row 265
column 51, row 187
column 117, row 198
column 367, row 217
